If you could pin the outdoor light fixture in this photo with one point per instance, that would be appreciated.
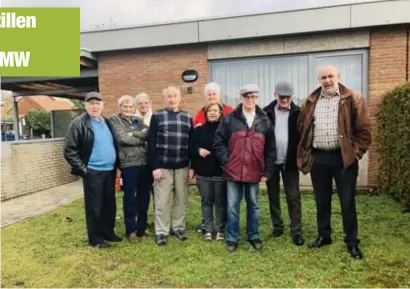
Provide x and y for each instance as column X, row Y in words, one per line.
column 189, row 75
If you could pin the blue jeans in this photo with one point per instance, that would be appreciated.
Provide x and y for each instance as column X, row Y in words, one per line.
column 137, row 186
column 235, row 191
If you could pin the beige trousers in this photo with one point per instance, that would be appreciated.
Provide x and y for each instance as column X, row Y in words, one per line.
column 173, row 187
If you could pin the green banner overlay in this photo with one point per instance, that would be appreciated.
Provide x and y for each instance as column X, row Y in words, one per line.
column 40, row 42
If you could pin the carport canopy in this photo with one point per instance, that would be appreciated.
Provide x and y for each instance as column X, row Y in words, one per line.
column 64, row 87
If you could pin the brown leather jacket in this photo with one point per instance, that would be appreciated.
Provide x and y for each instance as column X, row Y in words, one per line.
column 353, row 123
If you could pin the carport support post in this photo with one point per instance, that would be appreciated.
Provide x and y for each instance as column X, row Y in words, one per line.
column 16, row 117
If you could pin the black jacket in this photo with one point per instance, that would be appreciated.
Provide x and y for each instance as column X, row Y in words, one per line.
column 203, row 137
column 79, row 142
column 294, row 135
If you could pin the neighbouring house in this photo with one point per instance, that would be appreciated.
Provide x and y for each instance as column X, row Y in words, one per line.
column 28, row 103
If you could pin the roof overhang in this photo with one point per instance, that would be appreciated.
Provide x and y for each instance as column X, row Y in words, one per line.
column 87, row 59
column 66, row 87
column 332, row 18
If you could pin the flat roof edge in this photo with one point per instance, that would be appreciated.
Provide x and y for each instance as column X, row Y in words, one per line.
column 313, row 20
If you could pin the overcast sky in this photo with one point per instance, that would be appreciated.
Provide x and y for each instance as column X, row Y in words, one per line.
column 97, row 14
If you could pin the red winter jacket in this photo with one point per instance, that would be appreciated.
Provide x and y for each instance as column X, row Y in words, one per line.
column 246, row 154
column 200, row 115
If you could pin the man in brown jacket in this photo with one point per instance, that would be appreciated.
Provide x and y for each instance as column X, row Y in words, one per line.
column 335, row 133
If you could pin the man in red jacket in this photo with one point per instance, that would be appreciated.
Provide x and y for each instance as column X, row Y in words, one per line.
column 245, row 146
column 212, row 93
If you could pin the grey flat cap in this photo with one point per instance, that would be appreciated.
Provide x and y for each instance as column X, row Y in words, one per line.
column 93, row 95
column 284, row 88
column 248, row 88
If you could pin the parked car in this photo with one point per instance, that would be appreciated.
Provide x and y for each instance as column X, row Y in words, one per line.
column 8, row 136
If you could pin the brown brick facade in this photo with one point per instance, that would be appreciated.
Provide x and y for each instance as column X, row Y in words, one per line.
column 150, row 71
column 388, row 61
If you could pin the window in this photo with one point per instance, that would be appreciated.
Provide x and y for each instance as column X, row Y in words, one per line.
column 301, row 70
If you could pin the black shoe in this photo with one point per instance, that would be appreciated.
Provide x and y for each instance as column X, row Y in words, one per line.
column 354, row 251
column 298, row 240
column 101, row 245
column 277, row 233
column 180, row 235
column 256, row 244
column 112, row 238
column 161, row 240
column 200, row 229
column 231, row 246
column 320, row 242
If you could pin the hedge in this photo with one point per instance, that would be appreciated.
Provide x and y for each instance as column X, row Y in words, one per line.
column 393, row 137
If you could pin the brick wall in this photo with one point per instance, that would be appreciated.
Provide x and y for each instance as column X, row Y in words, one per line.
column 150, row 71
column 387, row 68
column 31, row 166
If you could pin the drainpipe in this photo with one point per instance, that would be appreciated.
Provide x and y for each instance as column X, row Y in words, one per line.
column 16, row 117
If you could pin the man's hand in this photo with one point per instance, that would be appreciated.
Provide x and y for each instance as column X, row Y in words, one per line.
column 191, row 174
column 157, row 175
column 264, row 179
column 204, row 153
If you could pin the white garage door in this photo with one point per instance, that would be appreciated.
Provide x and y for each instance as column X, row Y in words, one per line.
column 301, row 70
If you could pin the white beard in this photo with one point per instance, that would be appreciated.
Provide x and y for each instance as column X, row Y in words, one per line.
column 329, row 91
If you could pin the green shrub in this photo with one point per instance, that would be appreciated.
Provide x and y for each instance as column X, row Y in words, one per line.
column 394, row 140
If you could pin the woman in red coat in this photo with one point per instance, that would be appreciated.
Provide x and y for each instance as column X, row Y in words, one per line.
column 212, row 94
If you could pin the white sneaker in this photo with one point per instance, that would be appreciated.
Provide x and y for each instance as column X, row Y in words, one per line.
column 208, row 237
column 220, row 236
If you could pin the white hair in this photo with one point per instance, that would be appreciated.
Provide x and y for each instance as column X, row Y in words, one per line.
column 171, row 89
column 141, row 96
column 212, row 86
column 126, row 99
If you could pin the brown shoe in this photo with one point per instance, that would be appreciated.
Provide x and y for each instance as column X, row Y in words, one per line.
column 133, row 238
column 148, row 233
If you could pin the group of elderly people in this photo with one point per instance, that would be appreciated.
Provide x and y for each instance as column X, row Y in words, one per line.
column 229, row 151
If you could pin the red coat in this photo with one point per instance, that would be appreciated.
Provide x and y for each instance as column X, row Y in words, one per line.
column 246, row 153
column 200, row 115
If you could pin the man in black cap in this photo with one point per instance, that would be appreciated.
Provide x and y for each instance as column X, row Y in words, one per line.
column 90, row 150
column 284, row 113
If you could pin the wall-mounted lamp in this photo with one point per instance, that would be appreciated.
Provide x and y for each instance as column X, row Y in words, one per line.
column 189, row 75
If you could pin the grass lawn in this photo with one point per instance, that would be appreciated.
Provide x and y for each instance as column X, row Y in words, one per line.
column 49, row 252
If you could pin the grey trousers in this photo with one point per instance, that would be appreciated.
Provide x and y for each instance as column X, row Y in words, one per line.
column 213, row 194
column 290, row 180
column 171, row 195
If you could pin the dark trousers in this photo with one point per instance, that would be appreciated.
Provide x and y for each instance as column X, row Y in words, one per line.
column 100, row 206
column 213, row 194
column 290, row 178
column 326, row 167
column 137, row 190
column 202, row 225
